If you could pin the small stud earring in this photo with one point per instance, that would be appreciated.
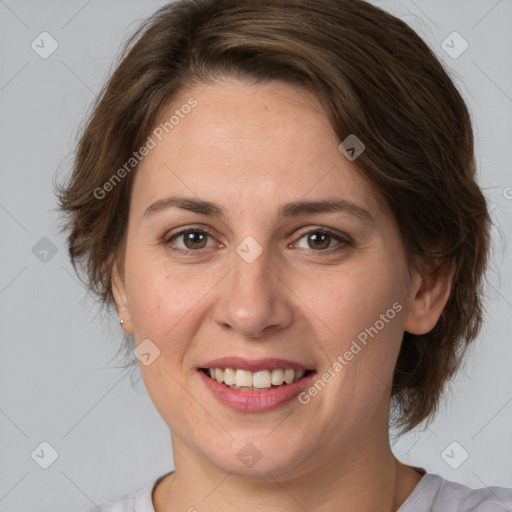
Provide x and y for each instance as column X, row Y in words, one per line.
column 121, row 322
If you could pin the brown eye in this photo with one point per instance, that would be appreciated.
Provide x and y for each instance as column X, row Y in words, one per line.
column 194, row 240
column 322, row 241
column 189, row 240
column 319, row 240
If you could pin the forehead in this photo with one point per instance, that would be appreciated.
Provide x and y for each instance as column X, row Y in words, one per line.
column 267, row 143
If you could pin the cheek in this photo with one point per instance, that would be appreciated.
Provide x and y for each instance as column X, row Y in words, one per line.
column 365, row 310
column 351, row 302
column 152, row 297
column 160, row 296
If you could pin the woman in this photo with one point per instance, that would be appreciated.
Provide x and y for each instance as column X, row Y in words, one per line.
column 278, row 198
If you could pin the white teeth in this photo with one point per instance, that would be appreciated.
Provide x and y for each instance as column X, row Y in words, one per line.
column 277, row 377
column 289, row 375
column 229, row 376
column 259, row 380
column 243, row 378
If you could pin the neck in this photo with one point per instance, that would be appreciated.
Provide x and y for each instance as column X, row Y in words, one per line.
column 364, row 479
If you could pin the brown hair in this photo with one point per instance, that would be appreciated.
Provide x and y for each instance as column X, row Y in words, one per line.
column 376, row 79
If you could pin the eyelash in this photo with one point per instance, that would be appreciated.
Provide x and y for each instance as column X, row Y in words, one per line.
column 343, row 240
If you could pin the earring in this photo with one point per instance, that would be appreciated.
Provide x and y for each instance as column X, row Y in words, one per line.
column 121, row 322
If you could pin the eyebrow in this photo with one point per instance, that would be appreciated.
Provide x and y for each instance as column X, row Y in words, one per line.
column 293, row 209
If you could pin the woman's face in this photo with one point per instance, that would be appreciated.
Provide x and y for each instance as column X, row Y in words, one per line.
column 270, row 276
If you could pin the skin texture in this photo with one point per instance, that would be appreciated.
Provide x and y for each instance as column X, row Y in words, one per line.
column 251, row 148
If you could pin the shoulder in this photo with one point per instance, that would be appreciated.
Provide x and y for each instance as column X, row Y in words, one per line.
column 485, row 499
column 436, row 494
column 139, row 501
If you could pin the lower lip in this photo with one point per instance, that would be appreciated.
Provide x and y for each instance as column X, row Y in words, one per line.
column 255, row 401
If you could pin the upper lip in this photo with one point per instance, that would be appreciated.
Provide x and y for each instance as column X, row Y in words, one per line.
column 255, row 364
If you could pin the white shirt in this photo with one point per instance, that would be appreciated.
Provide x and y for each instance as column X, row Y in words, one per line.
column 432, row 494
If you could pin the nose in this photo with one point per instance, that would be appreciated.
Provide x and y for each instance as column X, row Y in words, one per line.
column 254, row 299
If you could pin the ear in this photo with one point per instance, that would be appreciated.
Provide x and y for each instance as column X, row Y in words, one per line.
column 121, row 299
column 429, row 295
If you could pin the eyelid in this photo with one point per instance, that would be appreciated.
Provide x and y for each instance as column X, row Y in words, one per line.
column 342, row 238
column 184, row 229
column 327, row 231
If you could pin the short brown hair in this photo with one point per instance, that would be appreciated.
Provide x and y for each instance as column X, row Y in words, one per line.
column 375, row 77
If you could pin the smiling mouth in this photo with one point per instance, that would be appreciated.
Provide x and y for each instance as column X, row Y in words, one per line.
column 261, row 380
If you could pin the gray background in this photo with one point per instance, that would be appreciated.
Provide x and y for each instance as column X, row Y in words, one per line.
column 58, row 383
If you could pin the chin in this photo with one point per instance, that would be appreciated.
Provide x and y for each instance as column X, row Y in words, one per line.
column 261, row 459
